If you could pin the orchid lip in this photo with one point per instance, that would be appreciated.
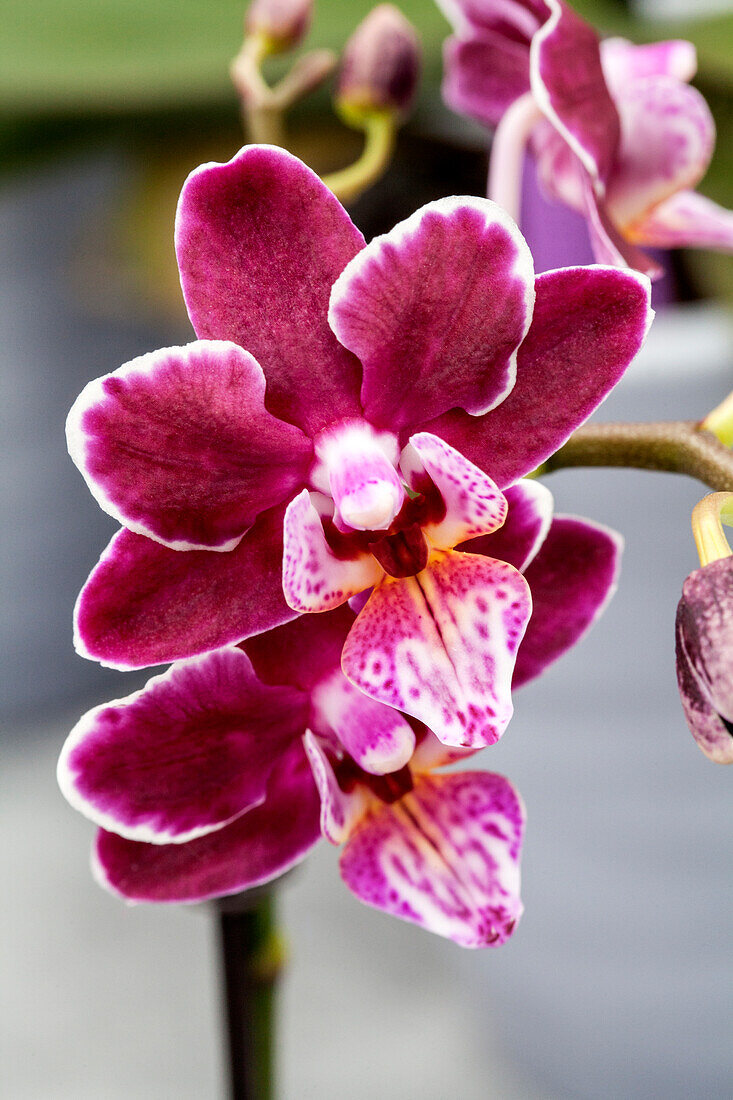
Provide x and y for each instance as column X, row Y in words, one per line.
column 357, row 467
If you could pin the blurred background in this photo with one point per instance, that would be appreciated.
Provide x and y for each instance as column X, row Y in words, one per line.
column 618, row 980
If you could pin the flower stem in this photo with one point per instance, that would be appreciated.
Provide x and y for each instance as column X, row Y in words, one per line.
column 380, row 129
column 677, row 446
column 507, row 153
column 708, row 517
column 251, row 959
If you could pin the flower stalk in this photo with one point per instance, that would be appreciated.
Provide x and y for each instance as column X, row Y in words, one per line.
column 675, row 446
column 380, row 132
column 708, row 517
column 251, row 955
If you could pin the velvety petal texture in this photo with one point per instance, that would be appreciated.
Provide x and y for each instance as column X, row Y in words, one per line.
column 588, row 324
column 314, row 578
column 441, row 646
column 705, row 657
column 572, row 578
column 256, row 847
column 302, row 652
column 178, row 445
column 145, row 604
column 484, row 75
column 436, row 310
column 568, row 84
column 260, row 242
column 445, row 857
column 191, row 751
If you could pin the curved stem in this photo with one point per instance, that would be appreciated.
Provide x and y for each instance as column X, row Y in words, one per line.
column 708, row 517
column 507, row 153
column 380, row 129
column 678, row 446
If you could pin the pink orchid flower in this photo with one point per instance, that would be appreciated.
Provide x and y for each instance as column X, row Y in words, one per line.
column 201, row 785
column 616, row 131
column 393, row 375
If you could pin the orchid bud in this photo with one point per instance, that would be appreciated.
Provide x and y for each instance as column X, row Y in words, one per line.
column 282, row 23
column 705, row 657
column 380, row 65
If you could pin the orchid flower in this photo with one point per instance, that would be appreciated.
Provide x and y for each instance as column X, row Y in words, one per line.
column 616, row 131
column 201, row 785
column 395, row 378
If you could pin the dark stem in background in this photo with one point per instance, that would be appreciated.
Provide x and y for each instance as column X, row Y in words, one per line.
column 678, row 446
column 251, row 960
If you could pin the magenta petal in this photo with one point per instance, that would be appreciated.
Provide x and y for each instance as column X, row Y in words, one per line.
column 569, row 87
column 572, row 579
column 448, row 294
column 188, row 753
column 314, row 578
column 177, row 445
column 624, row 61
column 484, row 75
column 260, row 242
column 441, row 646
column 704, row 668
column 377, row 737
column 145, row 604
column 340, row 810
column 608, row 243
column 687, row 220
column 515, row 19
column 588, row 325
column 667, row 139
column 445, row 857
column 256, row 847
column 473, row 504
column 303, row 651
column 528, row 520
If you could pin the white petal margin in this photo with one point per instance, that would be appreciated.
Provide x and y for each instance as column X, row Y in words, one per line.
column 377, row 737
column 474, row 505
column 339, row 811
column 445, row 857
column 314, row 579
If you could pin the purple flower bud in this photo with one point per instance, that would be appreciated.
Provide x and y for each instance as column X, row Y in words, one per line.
column 283, row 22
column 705, row 657
column 380, row 65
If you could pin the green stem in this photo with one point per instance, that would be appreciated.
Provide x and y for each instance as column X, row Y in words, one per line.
column 677, row 446
column 251, row 957
column 380, row 130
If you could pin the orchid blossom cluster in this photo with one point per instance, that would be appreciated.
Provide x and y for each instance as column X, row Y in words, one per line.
column 328, row 529
column 616, row 131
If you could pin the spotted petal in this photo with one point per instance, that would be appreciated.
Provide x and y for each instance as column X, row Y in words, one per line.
column 473, row 504
column 436, row 310
column 260, row 242
column 441, row 646
column 572, row 578
column 314, row 578
column 178, row 445
column 668, row 135
column 445, row 857
column 529, row 514
column 588, row 325
column 256, row 847
column 191, row 751
column 145, row 604
column 568, row 84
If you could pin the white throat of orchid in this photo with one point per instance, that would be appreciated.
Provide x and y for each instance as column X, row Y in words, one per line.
column 357, row 468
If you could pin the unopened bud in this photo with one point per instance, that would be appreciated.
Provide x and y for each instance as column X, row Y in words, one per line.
column 281, row 23
column 380, row 65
